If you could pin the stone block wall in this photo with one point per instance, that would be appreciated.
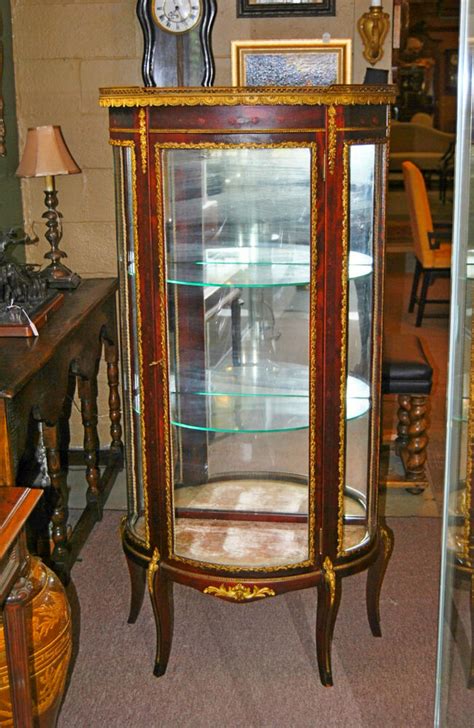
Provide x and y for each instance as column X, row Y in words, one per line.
column 64, row 51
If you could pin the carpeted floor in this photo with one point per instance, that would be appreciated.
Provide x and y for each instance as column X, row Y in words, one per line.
column 254, row 666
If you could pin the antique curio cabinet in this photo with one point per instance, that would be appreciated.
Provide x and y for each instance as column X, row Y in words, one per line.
column 250, row 243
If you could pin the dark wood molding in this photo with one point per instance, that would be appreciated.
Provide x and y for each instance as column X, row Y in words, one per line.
column 265, row 10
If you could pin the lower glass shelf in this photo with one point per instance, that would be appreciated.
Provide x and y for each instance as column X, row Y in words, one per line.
column 252, row 520
column 249, row 544
column 261, row 398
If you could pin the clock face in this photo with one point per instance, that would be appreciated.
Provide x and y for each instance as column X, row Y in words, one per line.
column 176, row 16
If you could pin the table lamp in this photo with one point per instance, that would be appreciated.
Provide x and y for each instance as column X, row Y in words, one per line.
column 46, row 155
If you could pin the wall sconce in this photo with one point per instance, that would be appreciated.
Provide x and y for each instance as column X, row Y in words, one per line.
column 373, row 27
column 46, row 155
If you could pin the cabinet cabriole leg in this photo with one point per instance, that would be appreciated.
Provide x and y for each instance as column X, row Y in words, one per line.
column 137, row 588
column 161, row 593
column 375, row 575
column 329, row 598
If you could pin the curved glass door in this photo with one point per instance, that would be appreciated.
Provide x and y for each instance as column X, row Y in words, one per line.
column 238, row 272
column 361, row 182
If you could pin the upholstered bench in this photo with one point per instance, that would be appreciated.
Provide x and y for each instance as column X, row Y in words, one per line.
column 407, row 372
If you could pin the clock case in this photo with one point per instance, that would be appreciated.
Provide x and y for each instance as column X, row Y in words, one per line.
column 177, row 59
column 182, row 157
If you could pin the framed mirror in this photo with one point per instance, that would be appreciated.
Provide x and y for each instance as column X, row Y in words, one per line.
column 266, row 8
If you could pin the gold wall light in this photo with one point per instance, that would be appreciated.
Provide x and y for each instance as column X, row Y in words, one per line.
column 373, row 27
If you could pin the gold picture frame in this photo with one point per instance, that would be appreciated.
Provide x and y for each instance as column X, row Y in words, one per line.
column 291, row 62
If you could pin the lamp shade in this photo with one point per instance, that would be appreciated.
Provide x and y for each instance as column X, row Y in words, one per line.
column 46, row 154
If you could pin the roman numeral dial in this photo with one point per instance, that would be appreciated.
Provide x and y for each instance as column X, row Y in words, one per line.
column 176, row 16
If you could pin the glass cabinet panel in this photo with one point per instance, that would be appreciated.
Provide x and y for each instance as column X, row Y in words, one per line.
column 124, row 169
column 455, row 667
column 238, row 268
column 362, row 158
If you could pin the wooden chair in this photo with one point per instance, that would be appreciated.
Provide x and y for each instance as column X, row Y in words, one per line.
column 432, row 246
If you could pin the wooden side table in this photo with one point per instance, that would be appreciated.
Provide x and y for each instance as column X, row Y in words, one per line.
column 16, row 504
column 37, row 380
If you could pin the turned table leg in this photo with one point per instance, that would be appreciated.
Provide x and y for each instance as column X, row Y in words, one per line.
column 404, row 404
column 87, row 395
column 111, row 358
column 412, row 439
column 60, row 555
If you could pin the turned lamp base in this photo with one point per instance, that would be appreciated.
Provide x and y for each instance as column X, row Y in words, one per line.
column 60, row 276
column 46, row 155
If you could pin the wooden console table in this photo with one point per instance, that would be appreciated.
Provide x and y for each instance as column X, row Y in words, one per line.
column 37, row 381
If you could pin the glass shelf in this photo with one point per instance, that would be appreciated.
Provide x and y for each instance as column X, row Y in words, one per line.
column 252, row 267
column 263, row 398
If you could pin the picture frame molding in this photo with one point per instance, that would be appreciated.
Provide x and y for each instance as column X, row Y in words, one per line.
column 240, row 49
column 274, row 10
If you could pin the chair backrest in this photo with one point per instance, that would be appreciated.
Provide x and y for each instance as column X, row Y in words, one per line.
column 421, row 118
column 420, row 213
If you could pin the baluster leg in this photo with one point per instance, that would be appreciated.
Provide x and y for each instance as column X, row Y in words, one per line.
column 60, row 555
column 403, row 414
column 111, row 358
column 417, row 439
column 88, row 398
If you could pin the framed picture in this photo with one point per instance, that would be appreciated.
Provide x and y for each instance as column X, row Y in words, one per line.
column 276, row 8
column 291, row 62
